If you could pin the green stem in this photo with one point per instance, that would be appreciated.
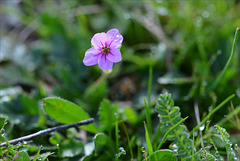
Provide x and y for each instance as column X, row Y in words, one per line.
column 212, row 112
column 94, row 86
column 168, row 132
column 130, row 147
column 148, row 116
column 220, row 76
column 117, row 141
column 193, row 147
column 149, row 124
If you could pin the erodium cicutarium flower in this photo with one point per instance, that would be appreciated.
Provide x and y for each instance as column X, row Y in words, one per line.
column 105, row 50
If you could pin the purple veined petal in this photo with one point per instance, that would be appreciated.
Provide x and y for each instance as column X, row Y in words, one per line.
column 104, row 63
column 115, row 38
column 91, row 57
column 114, row 55
column 99, row 40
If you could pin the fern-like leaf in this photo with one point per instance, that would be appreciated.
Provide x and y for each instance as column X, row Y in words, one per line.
column 169, row 116
column 225, row 138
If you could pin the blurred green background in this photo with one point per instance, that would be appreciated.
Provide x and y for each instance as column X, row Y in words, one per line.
column 187, row 43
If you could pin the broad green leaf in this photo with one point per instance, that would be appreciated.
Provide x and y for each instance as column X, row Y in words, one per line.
column 148, row 141
column 162, row 155
column 130, row 115
column 107, row 115
column 21, row 156
column 66, row 112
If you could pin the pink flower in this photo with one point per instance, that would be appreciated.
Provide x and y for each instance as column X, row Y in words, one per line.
column 105, row 50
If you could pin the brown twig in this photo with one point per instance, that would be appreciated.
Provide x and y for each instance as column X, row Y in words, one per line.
column 46, row 131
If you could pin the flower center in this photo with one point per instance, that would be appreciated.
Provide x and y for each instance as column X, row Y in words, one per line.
column 105, row 50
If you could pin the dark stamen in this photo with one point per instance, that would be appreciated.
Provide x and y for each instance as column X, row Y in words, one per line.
column 105, row 50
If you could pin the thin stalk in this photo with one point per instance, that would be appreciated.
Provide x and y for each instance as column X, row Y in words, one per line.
column 148, row 116
column 46, row 131
column 212, row 112
column 193, row 147
column 130, row 147
column 94, row 86
column 117, row 141
column 236, row 116
column 220, row 76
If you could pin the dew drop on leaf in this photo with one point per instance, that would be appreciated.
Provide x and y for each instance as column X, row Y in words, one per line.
column 201, row 128
column 143, row 149
column 2, row 132
column 122, row 151
column 236, row 147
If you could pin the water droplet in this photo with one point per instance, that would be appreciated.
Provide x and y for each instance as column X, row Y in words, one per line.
column 201, row 128
column 2, row 132
column 19, row 143
column 236, row 148
column 238, row 92
column 6, row 122
column 195, row 133
column 174, row 147
column 143, row 149
column 24, row 142
column 122, row 151
column 205, row 14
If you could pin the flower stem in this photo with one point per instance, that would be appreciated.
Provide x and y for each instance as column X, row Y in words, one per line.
column 128, row 139
column 94, row 86
column 117, row 141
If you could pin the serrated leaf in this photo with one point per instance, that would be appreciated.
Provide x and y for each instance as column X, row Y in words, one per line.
column 225, row 138
column 201, row 156
column 66, row 112
column 170, row 117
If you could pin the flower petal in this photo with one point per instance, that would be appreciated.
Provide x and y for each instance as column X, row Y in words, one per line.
column 104, row 63
column 91, row 57
column 114, row 55
column 99, row 40
column 115, row 38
